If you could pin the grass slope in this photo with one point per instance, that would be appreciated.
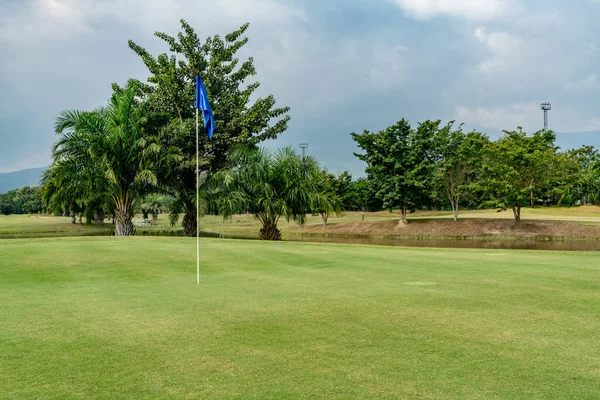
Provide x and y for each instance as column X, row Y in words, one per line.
column 105, row 318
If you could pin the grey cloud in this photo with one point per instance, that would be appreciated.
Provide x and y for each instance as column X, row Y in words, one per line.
column 339, row 70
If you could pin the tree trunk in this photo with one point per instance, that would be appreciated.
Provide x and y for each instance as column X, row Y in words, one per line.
column 89, row 215
column 99, row 215
column 454, row 203
column 123, row 220
column 154, row 215
column 325, row 216
column 363, row 212
column 145, row 213
column 269, row 231
column 73, row 216
column 403, row 221
column 517, row 213
column 531, row 199
column 189, row 222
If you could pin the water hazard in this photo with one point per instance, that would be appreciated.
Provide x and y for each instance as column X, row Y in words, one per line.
column 525, row 244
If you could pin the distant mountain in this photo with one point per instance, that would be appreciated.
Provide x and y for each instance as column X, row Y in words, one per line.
column 18, row 179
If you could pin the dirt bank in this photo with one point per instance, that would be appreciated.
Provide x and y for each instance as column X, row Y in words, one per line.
column 465, row 228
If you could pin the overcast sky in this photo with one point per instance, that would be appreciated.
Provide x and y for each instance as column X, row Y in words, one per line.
column 341, row 65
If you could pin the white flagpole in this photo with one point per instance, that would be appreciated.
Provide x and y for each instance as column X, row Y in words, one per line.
column 197, row 205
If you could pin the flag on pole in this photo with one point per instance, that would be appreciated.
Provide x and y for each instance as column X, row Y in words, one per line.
column 203, row 105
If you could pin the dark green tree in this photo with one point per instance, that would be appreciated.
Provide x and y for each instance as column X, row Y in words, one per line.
column 270, row 185
column 342, row 186
column 458, row 166
column 241, row 117
column 360, row 195
column 400, row 163
column 27, row 200
column 113, row 140
column 515, row 169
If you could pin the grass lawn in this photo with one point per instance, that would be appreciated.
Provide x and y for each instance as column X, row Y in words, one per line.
column 247, row 224
column 49, row 226
column 107, row 318
column 43, row 226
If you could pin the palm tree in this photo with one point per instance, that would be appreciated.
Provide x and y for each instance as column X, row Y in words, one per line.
column 113, row 142
column 270, row 186
column 76, row 185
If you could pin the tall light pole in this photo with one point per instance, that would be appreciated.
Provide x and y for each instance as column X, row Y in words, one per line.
column 546, row 107
column 303, row 146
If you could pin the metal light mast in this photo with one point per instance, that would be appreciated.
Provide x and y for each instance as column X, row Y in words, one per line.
column 546, row 107
column 303, row 146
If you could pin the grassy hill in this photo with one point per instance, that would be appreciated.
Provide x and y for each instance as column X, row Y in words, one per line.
column 18, row 179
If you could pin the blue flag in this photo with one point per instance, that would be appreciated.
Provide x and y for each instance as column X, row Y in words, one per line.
column 203, row 105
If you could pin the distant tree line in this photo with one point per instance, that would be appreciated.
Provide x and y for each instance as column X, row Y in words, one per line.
column 435, row 165
column 27, row 200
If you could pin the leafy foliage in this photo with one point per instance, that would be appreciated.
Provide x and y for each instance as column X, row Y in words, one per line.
column 271, row 185
column 516, row 169
column 459, row 163
column 27, row 200
column 400, row 163
column 241, row 118
column 109, row 143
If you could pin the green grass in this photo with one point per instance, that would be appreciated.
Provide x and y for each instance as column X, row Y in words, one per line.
column 39, row 226
column 14, row 226
column 107, row 318
column 248, row 225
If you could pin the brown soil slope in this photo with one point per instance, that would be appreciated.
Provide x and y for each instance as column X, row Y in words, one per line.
column 465, row 228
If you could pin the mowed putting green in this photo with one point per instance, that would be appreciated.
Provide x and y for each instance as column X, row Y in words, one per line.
column 107, row 318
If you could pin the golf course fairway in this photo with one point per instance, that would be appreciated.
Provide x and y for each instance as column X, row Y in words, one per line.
column 108, row 318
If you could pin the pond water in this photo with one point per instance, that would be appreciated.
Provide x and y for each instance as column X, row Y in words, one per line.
column 525, row 244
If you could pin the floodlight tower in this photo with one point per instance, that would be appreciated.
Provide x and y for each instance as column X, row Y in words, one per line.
column 303, row 146
column 546, row 107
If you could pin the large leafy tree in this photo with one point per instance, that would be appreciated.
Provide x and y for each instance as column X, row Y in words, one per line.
column 112, row 141
column 459, row 161
column 241, row 117
column 516, row 169
column 271, row 185
column 400, row 163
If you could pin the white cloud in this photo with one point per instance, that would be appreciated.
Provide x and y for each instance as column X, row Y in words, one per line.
column 58, row 19
column 480, row 34
column 503, row 48
column 470, row 9
column 44, row 19
column 500, row 118
column 589, row 83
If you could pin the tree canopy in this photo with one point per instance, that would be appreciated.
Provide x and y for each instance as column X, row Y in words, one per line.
column 241, row 118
